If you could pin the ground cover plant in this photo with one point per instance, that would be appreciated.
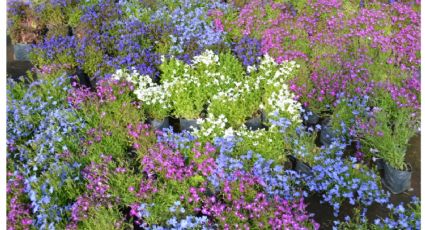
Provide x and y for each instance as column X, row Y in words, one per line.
column 288, row 101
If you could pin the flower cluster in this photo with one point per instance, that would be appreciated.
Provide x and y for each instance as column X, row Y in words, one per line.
column 155, row 97
column 96, row 191
column 19, row 212
column 194, row 33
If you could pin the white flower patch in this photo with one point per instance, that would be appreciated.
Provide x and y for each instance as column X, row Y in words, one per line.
column 282, row 102
column 207, row 57
column 146, row 90
column 210, row 127
column 284, row 69
column 244, row 133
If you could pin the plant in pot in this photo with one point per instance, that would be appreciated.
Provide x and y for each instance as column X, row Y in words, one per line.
column 210, row 128
column 188, row 101
column 190, row 86
column 53, row 16
column 273, row 78
column 303, row 150
column 349, row 116
column 268, row 143
column 24, row 28
column 59, row 51
column 390, row 143
column 238, row 103
column 155, row 98
column 280, row 104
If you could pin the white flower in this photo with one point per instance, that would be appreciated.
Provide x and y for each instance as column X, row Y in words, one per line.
column 208, row 57
column 250, row 69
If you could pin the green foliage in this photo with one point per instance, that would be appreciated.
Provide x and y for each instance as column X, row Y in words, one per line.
column 394, row 128
column 237, row 104
column 169, row 192
column 92, row 60
column 110, row 121
column 51, row 15
column 121, row 182
column 269, row 144
column 304, row 148
column 73, row 14
column 107, row 218
column 393, row 137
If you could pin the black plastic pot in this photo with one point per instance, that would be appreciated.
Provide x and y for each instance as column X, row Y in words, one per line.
column 21, row 51
column 326, row 133
column 395, row 180
column 256, row 123
column 300, row 167
column 84, row 79
column 160, row 124
column 379, row 163
column 309, row 118
column 188, row 124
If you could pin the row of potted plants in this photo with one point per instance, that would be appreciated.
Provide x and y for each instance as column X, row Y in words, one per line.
column 217, row 86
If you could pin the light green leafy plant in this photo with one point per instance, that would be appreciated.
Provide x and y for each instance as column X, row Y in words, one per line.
column 237, row 103
column 392, row 137
column 156, row 98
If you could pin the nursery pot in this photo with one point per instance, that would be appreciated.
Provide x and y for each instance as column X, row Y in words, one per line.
column 309, row 118
column 379, row 163
column 188, row 124
column 300, row 166
column 160, row 124
column 397, row 181
column 326, row 133
column 256, row 122
column 85, row 79
column 21, row 51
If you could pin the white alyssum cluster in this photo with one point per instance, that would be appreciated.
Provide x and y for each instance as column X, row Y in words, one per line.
column 284, row 69
column 246, row 134
column 218, row 79
column 235, row 93
column 207, row 57
column 211, row 126
column 147, row 91
column 282, row 102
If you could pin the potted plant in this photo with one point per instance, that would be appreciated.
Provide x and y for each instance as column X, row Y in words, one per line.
column 390, row 143
column 277, row 99
column 55, row 17
column 280, row 104
column 56, row 51
column 190, row 86
column 349, row 114
column 238, row 103
column 24, row 28
column 188, row 101
column 211, row 127
column 303, row 151
column 155, row 97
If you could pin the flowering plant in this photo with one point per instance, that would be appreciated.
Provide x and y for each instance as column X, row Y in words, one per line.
column 192, row 85
column 194, row 30
column 392, row 137
column 156, row 98
column 228, row 102
column 400, row 216
column 187, row 94
column 341, row 180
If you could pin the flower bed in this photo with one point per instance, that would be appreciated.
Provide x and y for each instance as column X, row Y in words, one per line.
column 213, row 115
